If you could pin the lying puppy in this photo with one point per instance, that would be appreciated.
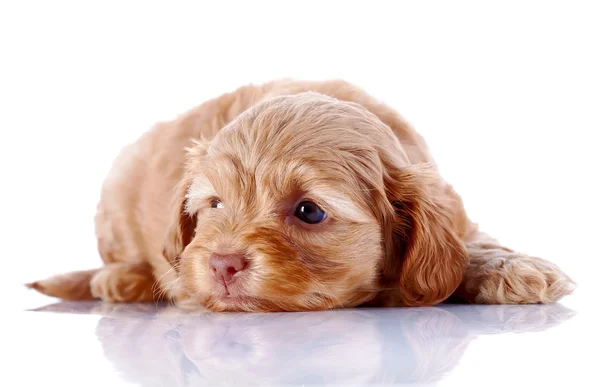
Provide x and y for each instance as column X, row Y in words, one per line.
column 294, row 196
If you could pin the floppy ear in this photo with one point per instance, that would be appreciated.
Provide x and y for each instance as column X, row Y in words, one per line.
column 182, row 225
column 425, row 252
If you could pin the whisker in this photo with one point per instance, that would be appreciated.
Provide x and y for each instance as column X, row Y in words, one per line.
column 159, row 291
column 162, row 292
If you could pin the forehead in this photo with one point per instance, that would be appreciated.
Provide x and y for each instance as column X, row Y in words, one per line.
column 281, row 174
column 282, row 182
column 250, row 163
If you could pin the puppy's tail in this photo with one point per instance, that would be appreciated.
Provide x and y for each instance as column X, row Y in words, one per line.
column 70, row 286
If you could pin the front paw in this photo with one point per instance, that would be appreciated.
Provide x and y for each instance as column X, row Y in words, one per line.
column 513, row 278
column 121, row 282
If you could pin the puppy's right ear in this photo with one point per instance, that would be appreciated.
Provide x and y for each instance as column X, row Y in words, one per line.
column 182, row 224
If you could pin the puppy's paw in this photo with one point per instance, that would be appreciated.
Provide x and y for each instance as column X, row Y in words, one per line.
column 513, row 278
column 123, row 282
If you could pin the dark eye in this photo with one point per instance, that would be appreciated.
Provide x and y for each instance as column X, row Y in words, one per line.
column 310, row 213
column 216, row 203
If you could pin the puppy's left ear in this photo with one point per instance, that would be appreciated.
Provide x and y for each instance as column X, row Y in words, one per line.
column 425, row 252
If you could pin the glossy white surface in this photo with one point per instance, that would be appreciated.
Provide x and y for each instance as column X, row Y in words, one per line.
column 89, row 343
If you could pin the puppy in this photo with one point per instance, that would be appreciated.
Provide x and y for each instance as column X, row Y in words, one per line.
column 294, row 196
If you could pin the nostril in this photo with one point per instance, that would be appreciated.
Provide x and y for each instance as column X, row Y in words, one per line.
column 238, row 264
column 231, row 270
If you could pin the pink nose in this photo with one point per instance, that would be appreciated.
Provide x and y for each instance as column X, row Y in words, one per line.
column 224, row 266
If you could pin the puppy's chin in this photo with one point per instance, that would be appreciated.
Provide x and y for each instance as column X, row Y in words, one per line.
column 302, row 303
column 252, row 304
column 247, row 304
column 247, row 301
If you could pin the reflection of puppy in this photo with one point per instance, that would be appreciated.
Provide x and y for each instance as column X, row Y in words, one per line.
column 294, row 196
column 342, row 347
column 358, row 346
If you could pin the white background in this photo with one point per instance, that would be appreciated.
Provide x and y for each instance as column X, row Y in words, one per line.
column 507, row 95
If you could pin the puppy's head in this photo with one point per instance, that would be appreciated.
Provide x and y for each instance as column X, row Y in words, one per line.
column 305, row 202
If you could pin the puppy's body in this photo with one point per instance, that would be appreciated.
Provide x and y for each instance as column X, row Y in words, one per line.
column 418, row 245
